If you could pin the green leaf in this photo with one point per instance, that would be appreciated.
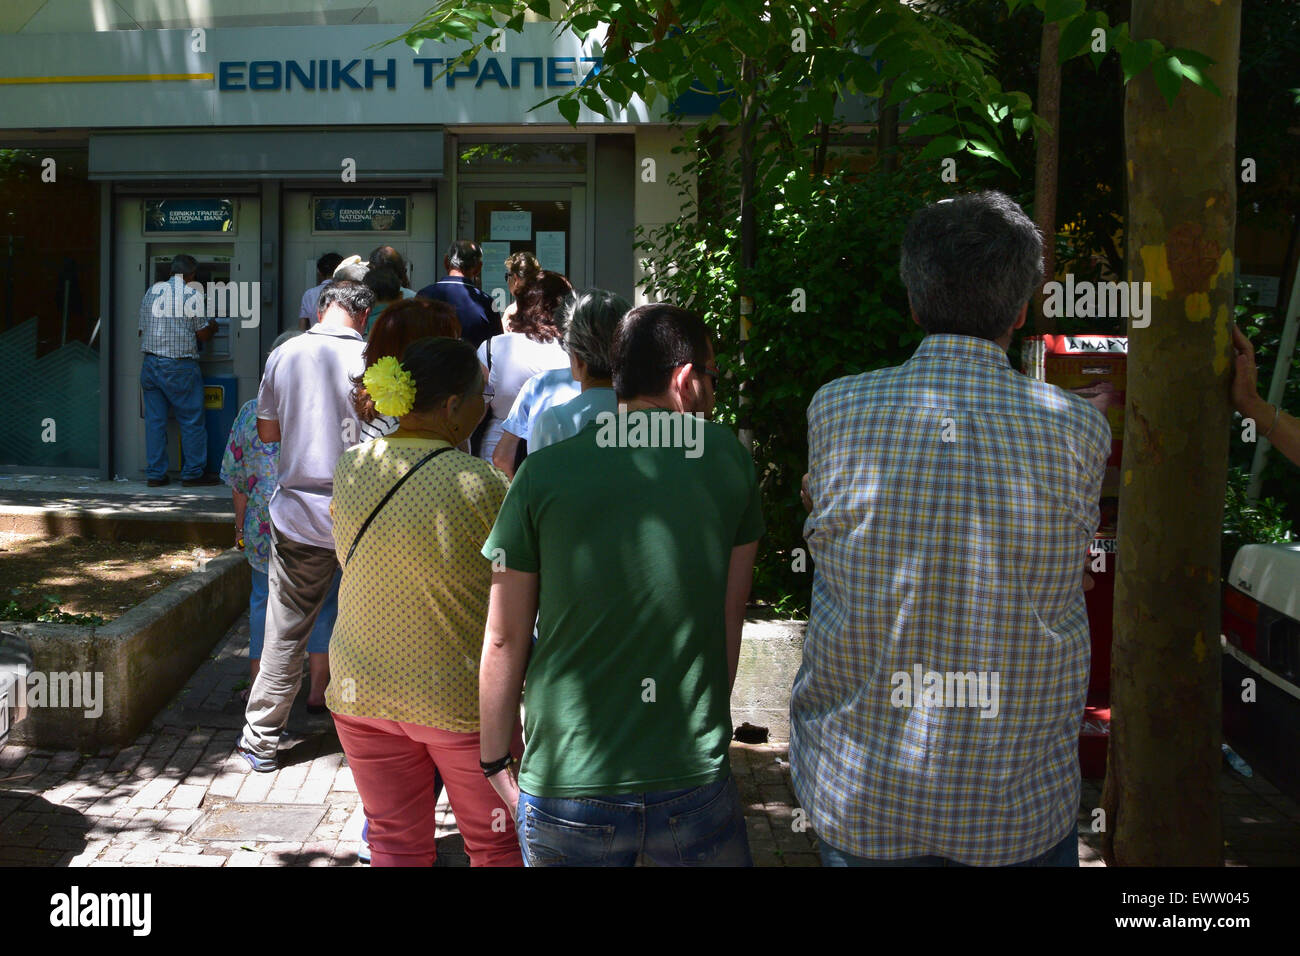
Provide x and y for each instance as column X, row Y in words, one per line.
column 1191, row 66
column 979, row 147
column 1055, row 10
column 569, row 109
column 1076, row 38
column 931, row 125
column 459, row 29
column 1168, row 79
column 482, row 16
column 1137, row 56
column 941, row 146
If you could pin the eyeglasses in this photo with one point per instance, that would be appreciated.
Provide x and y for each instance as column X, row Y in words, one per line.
column 713, row 376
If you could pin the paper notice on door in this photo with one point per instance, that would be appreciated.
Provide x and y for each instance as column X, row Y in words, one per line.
column 494, row 269
column 512, row 224
column 550, row 251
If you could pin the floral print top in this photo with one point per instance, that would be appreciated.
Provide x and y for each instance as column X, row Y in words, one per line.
column 249, row 466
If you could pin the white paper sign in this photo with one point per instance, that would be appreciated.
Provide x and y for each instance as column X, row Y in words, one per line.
column 512, row 224
column 550, row 251
column 1267, row 288
column 494, row 266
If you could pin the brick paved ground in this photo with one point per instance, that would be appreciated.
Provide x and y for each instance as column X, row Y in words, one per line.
column 138, row 806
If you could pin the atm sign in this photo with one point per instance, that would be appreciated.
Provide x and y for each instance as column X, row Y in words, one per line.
column 214, row 397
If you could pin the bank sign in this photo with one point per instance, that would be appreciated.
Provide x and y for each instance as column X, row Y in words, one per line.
column 292, row 76
column 264, row 76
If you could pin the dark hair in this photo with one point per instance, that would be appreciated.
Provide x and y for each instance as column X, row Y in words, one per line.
column 397, row 327
column 354, row 297
column 650, row 342
column 388, row 257
column 184, row 265
column 591, row 328
column 464, row 254
column 542, row 306
column 327, row 263
column 441, row 368
column 384, row 282
column 970, row 263
column 523, row 265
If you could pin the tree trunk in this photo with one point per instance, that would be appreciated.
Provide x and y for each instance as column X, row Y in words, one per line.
column 1047, row 162
column 1161, row 794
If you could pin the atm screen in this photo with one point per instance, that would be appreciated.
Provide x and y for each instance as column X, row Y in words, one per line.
column 211, row 269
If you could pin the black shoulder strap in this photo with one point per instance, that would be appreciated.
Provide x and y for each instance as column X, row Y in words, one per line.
column 391, row 491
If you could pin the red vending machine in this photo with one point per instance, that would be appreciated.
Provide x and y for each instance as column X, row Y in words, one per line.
column 1093, row 367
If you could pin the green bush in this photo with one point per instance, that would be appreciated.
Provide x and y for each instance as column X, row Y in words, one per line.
column 837, row 240
column 46, row 611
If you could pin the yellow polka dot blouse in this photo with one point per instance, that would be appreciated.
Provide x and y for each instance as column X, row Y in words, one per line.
column 414, row 597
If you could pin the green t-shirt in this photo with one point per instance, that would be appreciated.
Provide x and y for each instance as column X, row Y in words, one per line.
column 632, row 547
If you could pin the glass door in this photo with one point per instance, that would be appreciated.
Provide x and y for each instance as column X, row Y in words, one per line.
column 548, row 222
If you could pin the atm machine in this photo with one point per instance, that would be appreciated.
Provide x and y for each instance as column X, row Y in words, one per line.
column 222, row 234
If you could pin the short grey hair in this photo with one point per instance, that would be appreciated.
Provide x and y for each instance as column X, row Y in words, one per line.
column 970, row 263
column 590, row 329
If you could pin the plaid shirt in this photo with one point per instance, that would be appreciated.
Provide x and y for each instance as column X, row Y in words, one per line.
column 954, row 501
column 165, row 327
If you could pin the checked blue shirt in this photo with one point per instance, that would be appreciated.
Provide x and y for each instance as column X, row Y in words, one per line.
column 954, row 501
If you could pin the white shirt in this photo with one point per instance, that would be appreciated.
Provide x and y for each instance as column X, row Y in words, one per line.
column 515, row 359
column 307, row 388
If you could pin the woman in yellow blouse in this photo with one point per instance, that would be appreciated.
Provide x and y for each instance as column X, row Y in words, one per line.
column 412, row 606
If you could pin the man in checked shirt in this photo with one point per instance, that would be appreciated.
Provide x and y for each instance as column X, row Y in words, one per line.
column 935, row 718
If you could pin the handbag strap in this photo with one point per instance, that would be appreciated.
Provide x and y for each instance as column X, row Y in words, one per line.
column 391, row 491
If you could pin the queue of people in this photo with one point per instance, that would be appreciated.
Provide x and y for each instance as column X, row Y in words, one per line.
column 604, row 580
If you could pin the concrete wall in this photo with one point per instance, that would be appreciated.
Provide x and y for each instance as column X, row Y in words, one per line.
column 770, row 654
column 657, row 202
column 145, row 657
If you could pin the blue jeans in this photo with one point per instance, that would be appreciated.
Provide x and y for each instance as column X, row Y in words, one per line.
column 700, row 826
column 178, row 384
column 318, row 643
column 1065, row 853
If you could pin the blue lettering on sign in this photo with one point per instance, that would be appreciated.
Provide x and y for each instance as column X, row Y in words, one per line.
column 492, row 69
column 553, row 70
column 427, row 62
column 261, row 76
column 468, row 73
column 306, row 80
column 515, row 61
column 227, row 77
column 264, row 75
column 389, row 74
column 343, row 73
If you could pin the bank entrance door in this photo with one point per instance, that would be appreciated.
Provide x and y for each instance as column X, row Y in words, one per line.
column 548, row 221
column 222, row 234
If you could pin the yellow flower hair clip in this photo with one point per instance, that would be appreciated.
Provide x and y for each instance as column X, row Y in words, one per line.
column 391, row 387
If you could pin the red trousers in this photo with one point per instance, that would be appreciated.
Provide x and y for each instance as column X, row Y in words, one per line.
column 393, row 765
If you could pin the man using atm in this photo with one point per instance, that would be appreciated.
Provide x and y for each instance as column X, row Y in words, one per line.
column 172, row 323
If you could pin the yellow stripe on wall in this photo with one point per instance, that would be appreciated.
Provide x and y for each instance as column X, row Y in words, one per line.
column 116, row 78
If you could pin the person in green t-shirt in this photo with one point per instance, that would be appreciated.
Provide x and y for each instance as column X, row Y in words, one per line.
column 635, row 540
